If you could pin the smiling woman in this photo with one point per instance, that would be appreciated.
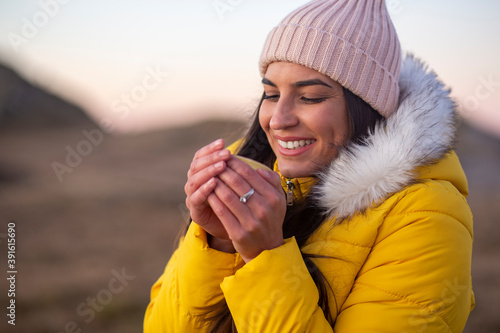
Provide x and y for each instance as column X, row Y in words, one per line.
column 304, row 116
column 360, row 141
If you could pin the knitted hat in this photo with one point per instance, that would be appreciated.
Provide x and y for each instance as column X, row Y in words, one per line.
column 352, row 42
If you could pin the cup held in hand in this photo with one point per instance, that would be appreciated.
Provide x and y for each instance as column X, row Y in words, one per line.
column 254, row 164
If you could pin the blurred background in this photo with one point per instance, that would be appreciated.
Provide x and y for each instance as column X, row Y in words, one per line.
column 103, row 104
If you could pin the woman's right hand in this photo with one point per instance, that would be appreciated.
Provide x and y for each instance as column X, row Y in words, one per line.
column 208, row 162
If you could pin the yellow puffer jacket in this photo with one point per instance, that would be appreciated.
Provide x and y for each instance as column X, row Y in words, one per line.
column 399, row 241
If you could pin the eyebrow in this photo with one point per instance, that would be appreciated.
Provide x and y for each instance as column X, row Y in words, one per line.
column 305, row 83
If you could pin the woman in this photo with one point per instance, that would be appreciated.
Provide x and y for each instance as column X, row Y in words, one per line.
column 362, row 226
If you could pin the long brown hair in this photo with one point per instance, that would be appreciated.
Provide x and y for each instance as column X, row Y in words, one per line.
column 304, row 217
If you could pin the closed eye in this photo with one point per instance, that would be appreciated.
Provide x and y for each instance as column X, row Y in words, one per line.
column 272, row 98
column 313, row 100
column 275, row 98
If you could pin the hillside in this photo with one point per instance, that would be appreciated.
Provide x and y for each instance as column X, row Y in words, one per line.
column 26, row 106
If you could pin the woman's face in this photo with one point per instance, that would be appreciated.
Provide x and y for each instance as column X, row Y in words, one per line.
column 304, row 115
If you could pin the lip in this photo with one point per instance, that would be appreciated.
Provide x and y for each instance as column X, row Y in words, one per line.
column 293, row 152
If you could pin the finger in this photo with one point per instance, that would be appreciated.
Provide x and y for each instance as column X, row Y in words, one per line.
column 210, row 148
column 272, row 177
column 244, row 213
column 200, row 163
column 266, row 186
column 227, row 218
column 196, row 180
column 235, row 181
column 199, row 198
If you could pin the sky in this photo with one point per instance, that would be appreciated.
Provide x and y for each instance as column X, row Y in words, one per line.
column 140, row 65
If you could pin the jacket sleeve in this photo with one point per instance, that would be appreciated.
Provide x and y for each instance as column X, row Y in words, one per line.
column 275, row 293
column 417, row 276
column 190, row 282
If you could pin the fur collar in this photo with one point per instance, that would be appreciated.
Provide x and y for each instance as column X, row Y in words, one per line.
column 419, row 133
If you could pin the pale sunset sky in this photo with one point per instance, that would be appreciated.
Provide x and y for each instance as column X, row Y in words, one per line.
column 139, row 65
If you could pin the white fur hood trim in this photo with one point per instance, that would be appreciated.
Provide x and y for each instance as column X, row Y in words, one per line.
column 420, row 132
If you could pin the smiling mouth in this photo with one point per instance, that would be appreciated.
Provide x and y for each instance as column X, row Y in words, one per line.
column 295, row 144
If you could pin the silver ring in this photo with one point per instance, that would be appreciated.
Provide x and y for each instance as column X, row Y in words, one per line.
column 244, row 198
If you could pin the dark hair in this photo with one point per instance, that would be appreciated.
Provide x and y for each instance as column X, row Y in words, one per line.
column 304, row 217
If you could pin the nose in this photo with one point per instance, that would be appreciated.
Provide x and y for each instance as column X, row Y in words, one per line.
column 284, row 115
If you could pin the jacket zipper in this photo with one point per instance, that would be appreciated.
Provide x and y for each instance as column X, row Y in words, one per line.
column 289, row 192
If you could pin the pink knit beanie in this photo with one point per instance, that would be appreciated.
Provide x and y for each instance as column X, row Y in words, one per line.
column 352, row 42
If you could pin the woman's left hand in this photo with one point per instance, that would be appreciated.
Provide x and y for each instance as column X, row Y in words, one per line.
column 256, row 225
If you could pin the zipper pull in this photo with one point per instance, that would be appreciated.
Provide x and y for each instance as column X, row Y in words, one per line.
column 289, row 192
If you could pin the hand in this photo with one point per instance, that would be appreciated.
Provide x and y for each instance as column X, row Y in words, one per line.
column 256, row 225
column 208, row 162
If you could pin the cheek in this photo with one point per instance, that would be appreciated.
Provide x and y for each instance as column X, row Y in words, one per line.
column 264, row 119
column 339, row 125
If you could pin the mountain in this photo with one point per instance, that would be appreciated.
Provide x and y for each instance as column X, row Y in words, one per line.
column 28, row 106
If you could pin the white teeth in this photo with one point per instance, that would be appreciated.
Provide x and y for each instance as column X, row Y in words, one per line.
column 295, row 144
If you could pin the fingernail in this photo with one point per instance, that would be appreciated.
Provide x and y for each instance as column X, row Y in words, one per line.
column 265, row 173
column 217, row 142
column 210, row 183
column 224, row 153
column 219, row 165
